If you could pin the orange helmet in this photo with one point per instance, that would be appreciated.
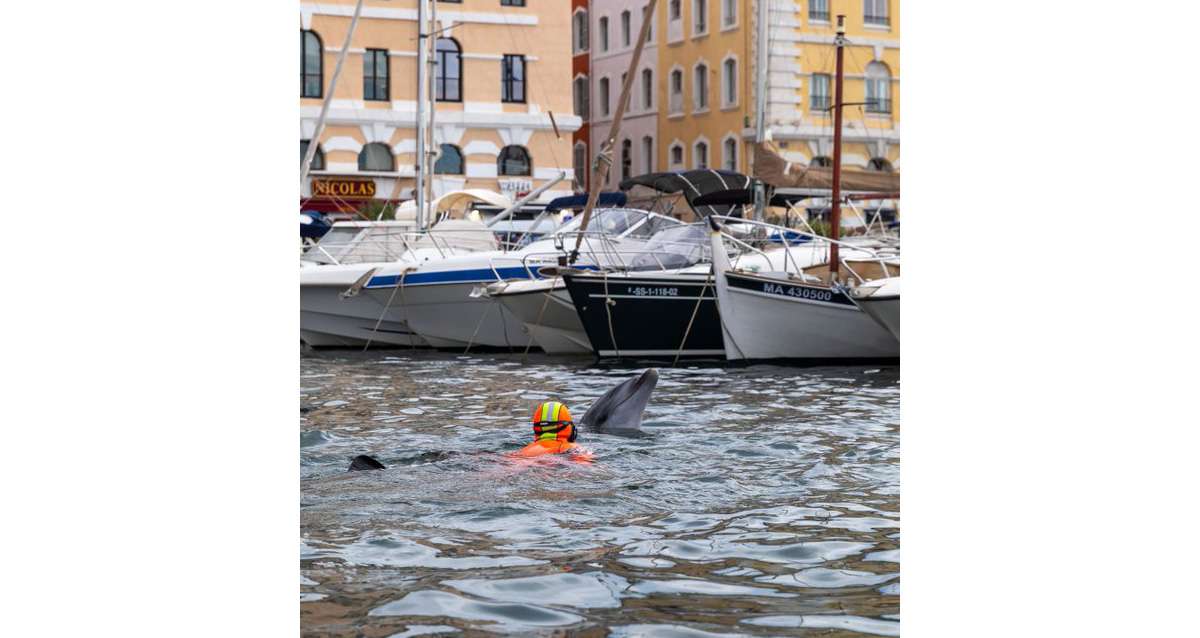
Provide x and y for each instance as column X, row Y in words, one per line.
column 552, row 420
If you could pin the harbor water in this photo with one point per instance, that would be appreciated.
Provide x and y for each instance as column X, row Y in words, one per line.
column 763, row 500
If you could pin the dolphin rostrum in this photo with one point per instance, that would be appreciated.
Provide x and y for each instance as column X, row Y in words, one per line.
column 620, row 409
column 364, row 462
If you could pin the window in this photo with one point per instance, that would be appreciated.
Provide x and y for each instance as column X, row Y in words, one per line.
column 448, row 74
column 818, row 10
column 700, row 153
column 729, row 82
column 514, row 160
column 676, row 91
column 512, row 78
column 580, row 166
column 731, row 154
column 512, row 3
column 647, row 88
column 376, row 157
column 630, row 95
column 820, row 161
column 581, row 97
column 375, row 74
column 603, row 96
column 647, row 154
column 728, row 13
column 579, row 31
column 699, row 17
column 625, row 27
column 311, row 64
column 700, row 88
column 449, row 162
column 626, row 159
column 604, row 34
column 673, row 10
column 676, row 155
column 878, row 88
column 318, row 160
column 818, row 93
column 875, row 12
column 880, row 165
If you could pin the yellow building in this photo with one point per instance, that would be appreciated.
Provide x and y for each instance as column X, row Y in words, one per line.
column 501, row 68
column 707, row 54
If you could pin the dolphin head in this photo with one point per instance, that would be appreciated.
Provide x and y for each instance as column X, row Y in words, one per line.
column 620, row 409
column 362, row 463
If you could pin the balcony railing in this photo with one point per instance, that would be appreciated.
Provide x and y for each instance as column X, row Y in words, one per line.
column 879, row 105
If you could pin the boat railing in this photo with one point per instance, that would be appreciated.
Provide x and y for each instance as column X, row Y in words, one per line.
column 387, row 245
column 872, row 255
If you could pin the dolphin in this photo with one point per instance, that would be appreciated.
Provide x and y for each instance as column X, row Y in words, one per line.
column 619, row 411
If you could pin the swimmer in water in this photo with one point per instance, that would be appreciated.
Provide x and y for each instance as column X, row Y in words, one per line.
column 553, row 431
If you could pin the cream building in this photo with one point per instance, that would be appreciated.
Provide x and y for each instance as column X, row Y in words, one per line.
column 503, row 84
column 707, row 57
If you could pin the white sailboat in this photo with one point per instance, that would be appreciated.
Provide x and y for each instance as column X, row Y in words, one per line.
column 881, row 300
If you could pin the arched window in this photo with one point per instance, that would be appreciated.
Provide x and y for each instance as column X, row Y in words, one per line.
column 731, row 154
column 676, row 155
column 700, row 88
column 514, row 160
column 879, row 164
column 647, row 154
column 448, row 77
column 579, row 31
column 673, row 10
column 450, row 162
column 318, row 160
column 376, row 157
column 581, row 97
column 626, row 159
column 700, row 154
column 311, row 64
column 821, row 161
column 580, row 166
column 647, row 88
column 626, row 26
column 603, row 96
column 604, row 34
column 729, row 82
column 879, row 80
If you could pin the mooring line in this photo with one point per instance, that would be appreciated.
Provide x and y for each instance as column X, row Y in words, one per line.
column 695, row 310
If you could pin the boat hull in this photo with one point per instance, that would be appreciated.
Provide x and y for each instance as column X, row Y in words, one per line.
column 552, row 323
column 884, row 310
column 448, row 316
column 647, row 315
column 773, row 318
column 329, row 320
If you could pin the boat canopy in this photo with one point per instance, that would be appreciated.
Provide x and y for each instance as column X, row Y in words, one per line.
column 313, row 224
column 611, row 199
column 692, row 184
column 675, row 247
column 745, row 197
column 776, row 170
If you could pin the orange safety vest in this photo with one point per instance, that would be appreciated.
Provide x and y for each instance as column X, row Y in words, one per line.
column 546, row 446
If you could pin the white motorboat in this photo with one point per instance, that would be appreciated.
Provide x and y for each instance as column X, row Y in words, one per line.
column 794, row 313
column 444, row 300
column 332, row 273
column 880, row 298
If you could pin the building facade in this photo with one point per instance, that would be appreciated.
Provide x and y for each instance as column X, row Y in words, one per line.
column 616, row 25
column 581, row 92
column 504, row 115
column 708, row 55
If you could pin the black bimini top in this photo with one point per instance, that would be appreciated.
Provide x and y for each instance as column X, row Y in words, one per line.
column 573, row 202
column 693, row 184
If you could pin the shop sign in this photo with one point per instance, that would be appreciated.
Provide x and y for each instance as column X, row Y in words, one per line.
column 515, row 188
column 343, row 188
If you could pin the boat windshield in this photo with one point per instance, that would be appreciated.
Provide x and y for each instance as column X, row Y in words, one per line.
column 356, row 244
column 610, row 221
column 677, row 247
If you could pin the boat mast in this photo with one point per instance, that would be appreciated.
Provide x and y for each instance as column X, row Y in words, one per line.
column 603, row 157
column 422, row 60
column 835, row 211
column 337, row 70
column 761, row 75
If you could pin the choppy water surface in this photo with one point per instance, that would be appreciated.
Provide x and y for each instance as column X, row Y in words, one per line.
column 765, row 501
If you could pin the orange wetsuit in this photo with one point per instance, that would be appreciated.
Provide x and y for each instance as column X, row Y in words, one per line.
column 550, row 446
